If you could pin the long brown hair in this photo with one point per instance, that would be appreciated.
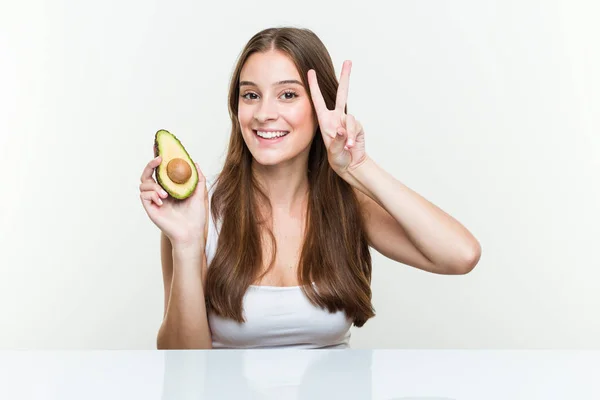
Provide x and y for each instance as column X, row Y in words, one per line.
column 335, row 253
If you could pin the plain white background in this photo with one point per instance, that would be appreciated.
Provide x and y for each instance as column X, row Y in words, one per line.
column 487, row 108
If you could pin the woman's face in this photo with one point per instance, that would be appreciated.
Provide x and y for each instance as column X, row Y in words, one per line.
column 274, row 109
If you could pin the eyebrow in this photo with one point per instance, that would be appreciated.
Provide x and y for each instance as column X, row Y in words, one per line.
column 284, row 82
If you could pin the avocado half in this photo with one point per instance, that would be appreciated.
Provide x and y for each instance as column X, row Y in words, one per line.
column 177, row 179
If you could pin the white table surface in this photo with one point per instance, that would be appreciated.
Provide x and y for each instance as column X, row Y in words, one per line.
column 307, row 374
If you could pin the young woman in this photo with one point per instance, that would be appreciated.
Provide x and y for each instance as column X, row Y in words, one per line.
column 277, row 252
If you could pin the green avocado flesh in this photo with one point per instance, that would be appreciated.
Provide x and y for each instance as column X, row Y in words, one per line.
column 169, row 148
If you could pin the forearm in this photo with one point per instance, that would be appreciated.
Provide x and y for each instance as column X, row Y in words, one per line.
column 185, row 324
column 441, row 238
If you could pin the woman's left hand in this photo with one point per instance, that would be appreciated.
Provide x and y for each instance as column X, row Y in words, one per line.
column 343, row 135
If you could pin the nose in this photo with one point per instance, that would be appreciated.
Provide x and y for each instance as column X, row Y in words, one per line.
column 265, row 111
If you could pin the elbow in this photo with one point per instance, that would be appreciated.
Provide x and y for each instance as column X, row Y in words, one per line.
column 462, row 262
column 469, row 259
column 161, row 345
column 160, row 341
column 164, row 342
column 459, row 262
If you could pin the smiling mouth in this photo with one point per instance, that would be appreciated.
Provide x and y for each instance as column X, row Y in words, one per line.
column 270, row 135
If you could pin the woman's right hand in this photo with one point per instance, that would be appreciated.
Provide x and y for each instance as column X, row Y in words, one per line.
column 182, row 221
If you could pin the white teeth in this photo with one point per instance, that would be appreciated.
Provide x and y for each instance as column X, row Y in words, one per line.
column 271, row 135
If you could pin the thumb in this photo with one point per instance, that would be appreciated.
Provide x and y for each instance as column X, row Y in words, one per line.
column 337, row 145
column 206, row 205
column 201, row 181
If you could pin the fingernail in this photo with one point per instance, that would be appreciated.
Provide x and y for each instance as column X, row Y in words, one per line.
column 350, row 142
column 163, row 193
column 160, row 201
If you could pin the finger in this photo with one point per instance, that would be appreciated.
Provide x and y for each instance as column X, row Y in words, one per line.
column 200, row 174
column 149, row 197
column 201, row 178
column 201, row 183
column 359, row 127
column 315, row 93
column 149, row 169
column 151, row 185
column 206, row 222
column 337, row 145
column 351, row 129
column 342, row 92
column 359, row 133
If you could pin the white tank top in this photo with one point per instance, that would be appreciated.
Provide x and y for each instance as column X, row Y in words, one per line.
column 276, row 317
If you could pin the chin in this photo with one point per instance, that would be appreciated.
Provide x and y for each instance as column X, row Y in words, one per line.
column 269, row 159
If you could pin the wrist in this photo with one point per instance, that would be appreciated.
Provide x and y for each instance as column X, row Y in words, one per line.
column 188, row 249
column 358, row 175
column 358, row 170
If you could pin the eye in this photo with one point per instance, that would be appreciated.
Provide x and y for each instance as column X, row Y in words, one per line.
column 289, row 95
column 250, row 96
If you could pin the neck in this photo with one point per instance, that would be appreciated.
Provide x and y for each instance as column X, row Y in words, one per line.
column 285, row 185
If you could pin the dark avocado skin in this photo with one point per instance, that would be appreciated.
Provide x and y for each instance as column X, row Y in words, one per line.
column 161, row 169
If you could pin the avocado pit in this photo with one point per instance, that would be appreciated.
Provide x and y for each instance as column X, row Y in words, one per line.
column 179, row 171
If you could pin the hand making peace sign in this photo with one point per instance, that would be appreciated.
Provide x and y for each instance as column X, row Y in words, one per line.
column 342, row 133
